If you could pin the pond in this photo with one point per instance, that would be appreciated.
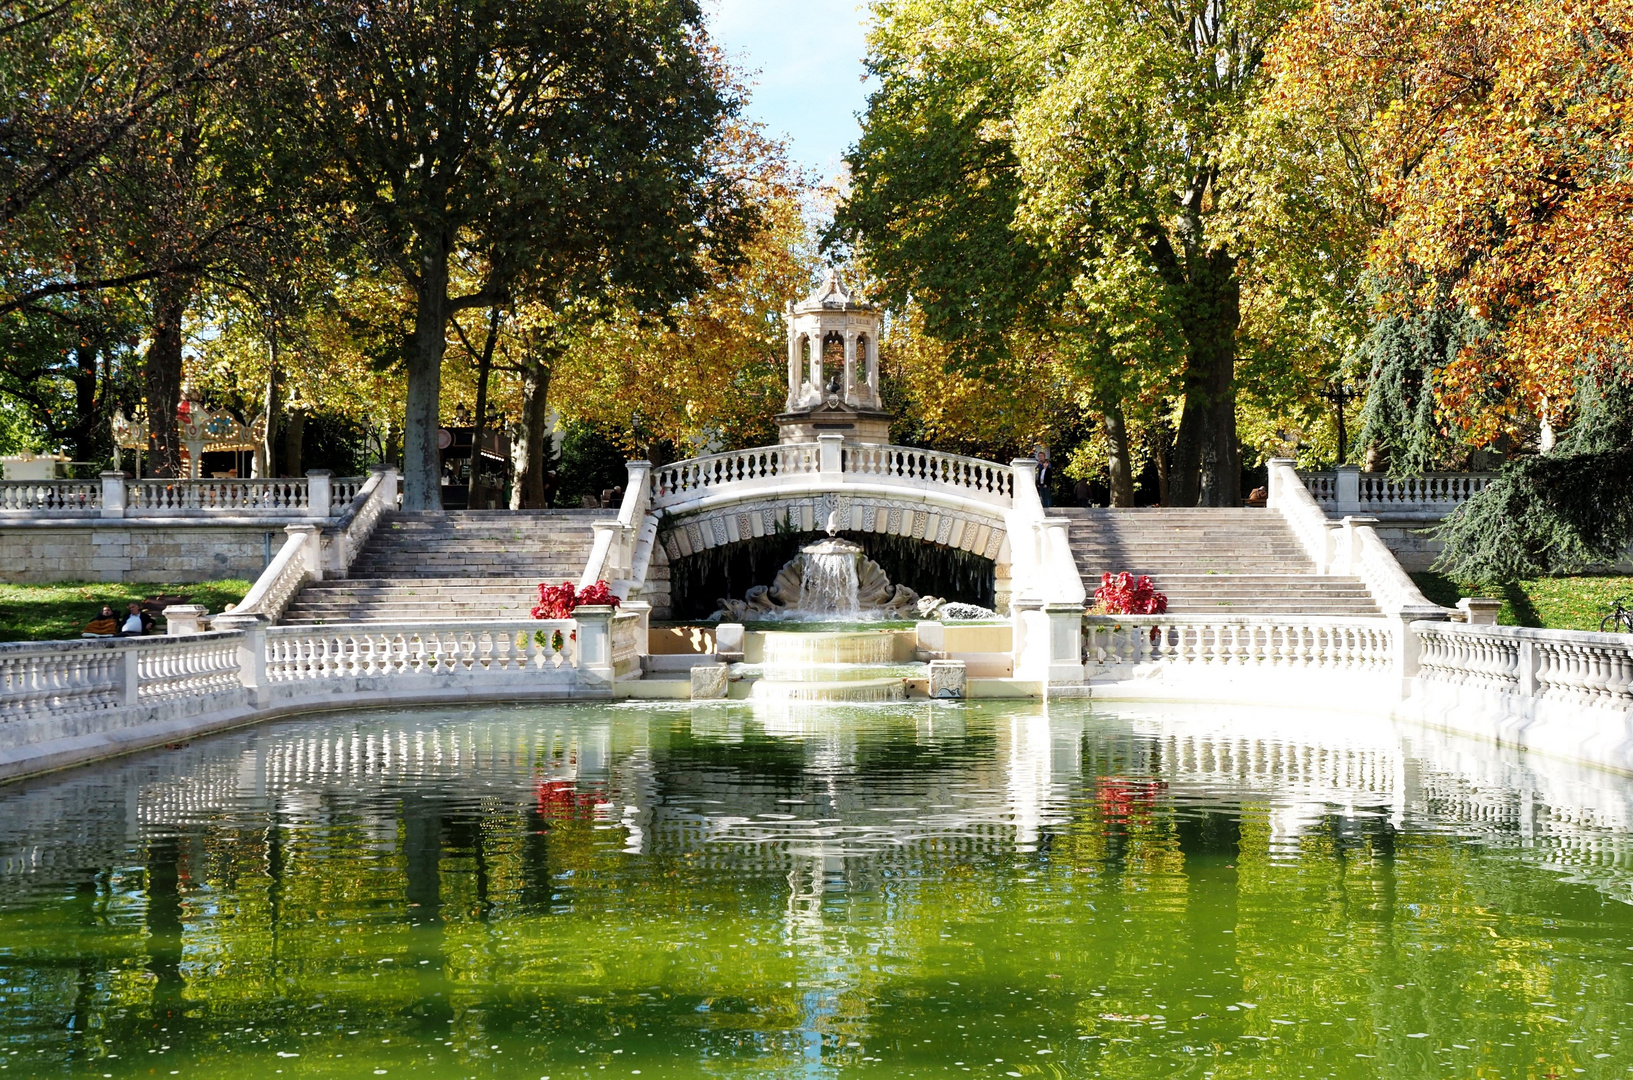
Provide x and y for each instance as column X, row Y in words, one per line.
column 910, row 889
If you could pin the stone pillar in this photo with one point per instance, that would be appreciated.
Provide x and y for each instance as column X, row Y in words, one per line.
column 251, row 654
column 113, row 494
column 1030, row 641
column 312, row 549
column 815, row 338
column 1347, row 490
column 185, row 620
column 130, row 688
column 873, row 371
column 1408, row 646
column 389, row 485
column 850, row 366
column 595, row 644
column 1065, row 644
column 1480, row 610
column 319, row 493
column 793, row 365
column 1273, row 488
column 831, row 455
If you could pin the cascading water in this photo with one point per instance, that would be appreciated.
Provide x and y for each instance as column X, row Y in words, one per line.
column 851, row 666
column 830, row 585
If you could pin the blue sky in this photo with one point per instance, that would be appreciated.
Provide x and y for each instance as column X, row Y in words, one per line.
column 808, row 56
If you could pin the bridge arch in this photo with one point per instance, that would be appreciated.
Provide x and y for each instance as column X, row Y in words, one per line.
column 699, row 505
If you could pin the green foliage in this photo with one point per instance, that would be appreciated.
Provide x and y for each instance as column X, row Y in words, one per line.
column 590, row 464
column 1403, row 355
column 1559, row 512
column 1549, row 603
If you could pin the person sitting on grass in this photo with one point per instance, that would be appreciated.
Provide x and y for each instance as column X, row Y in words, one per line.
column 104, row 625
column 138, row 622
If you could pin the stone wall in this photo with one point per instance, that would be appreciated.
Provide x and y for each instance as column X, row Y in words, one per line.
column 134, row 551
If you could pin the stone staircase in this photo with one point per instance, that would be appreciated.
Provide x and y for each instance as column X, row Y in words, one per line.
column 421, row 567
column 1212, row 561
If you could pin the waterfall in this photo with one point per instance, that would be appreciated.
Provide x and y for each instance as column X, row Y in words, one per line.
column 829, row 585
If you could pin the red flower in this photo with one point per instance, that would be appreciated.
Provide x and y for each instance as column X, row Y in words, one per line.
column 559, row 601
column 1123, row 594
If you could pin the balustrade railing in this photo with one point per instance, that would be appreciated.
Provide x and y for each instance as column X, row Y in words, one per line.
column 1337, row 644
column 1575, row 668
column 697, row 476
column 52, row 678
column 984, row 480
column 307, row 653
column 160, row 498
column 51, row 498
column 969, row 477
column 1377, row 493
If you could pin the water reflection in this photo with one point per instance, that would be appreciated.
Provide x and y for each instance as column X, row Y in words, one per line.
column 700, row 891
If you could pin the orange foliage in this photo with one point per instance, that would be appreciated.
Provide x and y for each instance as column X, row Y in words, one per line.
column 1497, row 136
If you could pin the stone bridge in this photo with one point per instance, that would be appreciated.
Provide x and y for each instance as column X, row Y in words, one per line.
column 981, row 507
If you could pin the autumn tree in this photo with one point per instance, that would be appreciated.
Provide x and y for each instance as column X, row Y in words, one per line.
column 1069, row 160
column 563, row 146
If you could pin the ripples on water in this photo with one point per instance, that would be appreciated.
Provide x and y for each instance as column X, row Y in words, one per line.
column 917, row 889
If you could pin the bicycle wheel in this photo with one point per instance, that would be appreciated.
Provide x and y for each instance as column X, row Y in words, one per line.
column 1610, row 624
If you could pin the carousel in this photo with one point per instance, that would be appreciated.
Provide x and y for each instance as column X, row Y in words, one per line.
column 203, row 431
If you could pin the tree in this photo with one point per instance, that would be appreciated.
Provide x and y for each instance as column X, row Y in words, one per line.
column 1061, row 167
column 562, row 145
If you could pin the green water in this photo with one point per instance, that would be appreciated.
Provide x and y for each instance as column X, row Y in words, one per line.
column 907, row 890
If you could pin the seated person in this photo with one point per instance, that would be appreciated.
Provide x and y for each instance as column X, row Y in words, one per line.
column 137, row 622
column 104, row 625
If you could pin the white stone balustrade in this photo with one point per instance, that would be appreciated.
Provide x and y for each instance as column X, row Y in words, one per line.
column 50, row 498
column 85, row 677
column 1354, row 645
column 307, row 653
column 1580, row 669
column 1351, row 491
column 769, row 467
column 315, row 496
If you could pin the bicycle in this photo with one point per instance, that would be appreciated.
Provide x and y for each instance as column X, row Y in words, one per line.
column 1620, row 619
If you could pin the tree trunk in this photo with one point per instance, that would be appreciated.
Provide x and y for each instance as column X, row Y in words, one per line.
column 483, row 369
column 1121, row 469
column 1163, row 453
column 422, row 459
column 532, row 434
column 294, row 437
column 270, row 405
column 162, row 375
column 87, row 404
column 1207, row 467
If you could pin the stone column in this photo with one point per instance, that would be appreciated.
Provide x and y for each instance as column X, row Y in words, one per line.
column 185, row 620
column 1347, row 490
column 873, row 371
column 595, row 644
column 793, row 365
column 113, row 495
column 251, row 654
column 319, row 492
column 1065, row 644
column 1275, row 466
column 850, row 367
column 816, row 358
column 831, row 455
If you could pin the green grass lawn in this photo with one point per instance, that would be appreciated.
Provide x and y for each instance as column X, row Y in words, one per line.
column 1565, row 603
column 55, row 612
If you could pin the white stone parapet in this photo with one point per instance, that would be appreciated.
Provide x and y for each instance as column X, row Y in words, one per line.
column 793, row 468
column 1348, row 490
column 314, row 496
column 64, row 703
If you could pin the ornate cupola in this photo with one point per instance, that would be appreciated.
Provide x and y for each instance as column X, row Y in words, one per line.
column 833, row 368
